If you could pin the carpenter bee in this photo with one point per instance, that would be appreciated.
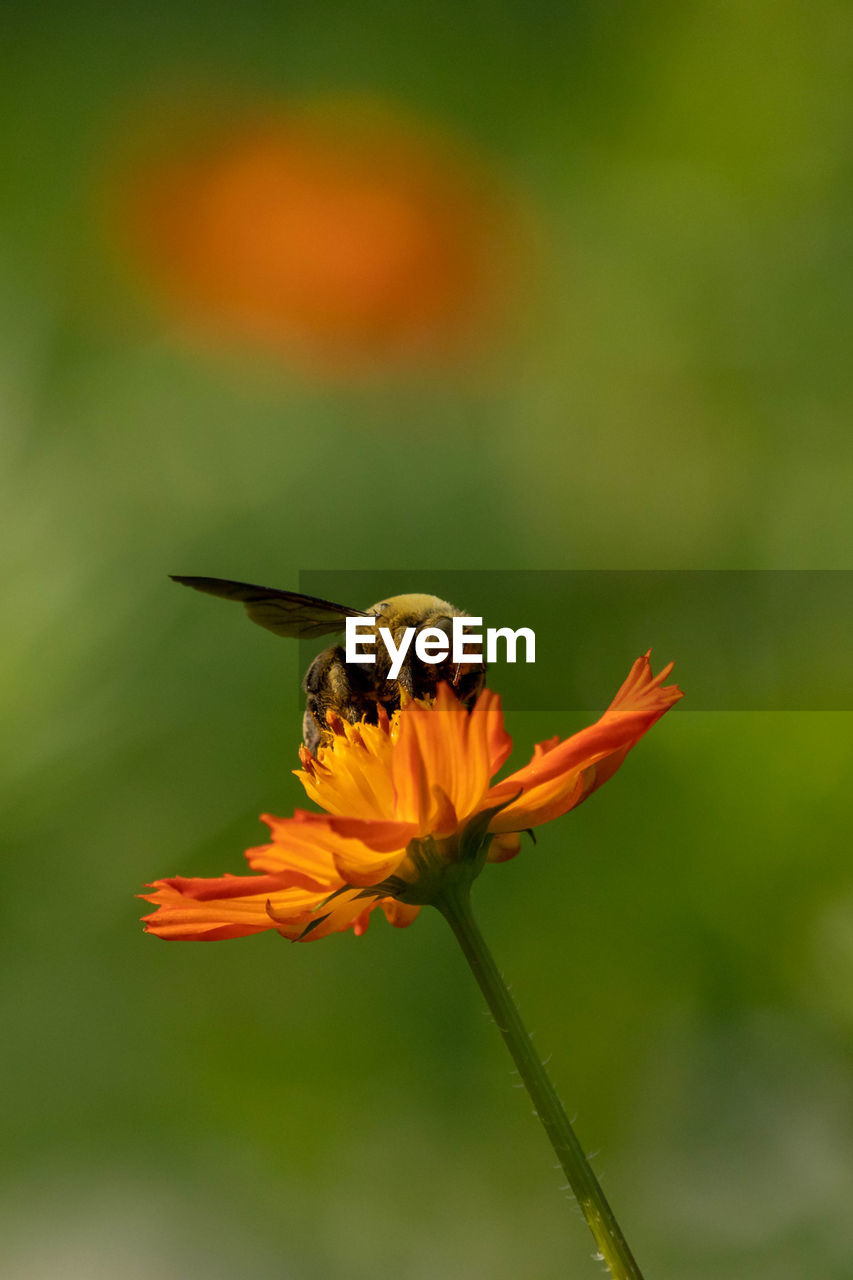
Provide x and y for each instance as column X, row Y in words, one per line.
column 353, row 690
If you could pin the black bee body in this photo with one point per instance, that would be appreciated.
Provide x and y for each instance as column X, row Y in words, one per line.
column 355, row 690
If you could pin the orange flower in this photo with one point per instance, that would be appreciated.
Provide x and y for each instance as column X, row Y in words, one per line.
column 338, row 234
column 408, row 804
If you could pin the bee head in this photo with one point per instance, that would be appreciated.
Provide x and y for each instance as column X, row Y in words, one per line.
column 415, row 610
column 425, row 612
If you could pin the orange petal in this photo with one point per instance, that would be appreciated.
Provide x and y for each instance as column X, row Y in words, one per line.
column 561, row 775
column 300, row 849
column 504, row 847
column 400, row 914
column 361, row 922
column 351, row 777
column 364, row 872
column 194, row 909
column 444, row 820
column 500, row 743
column 370, row 834
column 445, row 753
column 334, row 850
column 349, row 911
column 308, row 844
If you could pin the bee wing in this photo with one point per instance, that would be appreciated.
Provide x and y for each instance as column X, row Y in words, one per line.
column 285, row 612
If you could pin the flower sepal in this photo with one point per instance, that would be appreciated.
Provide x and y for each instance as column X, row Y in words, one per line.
column 433, row 864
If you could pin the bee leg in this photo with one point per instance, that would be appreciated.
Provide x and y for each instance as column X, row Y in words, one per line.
column 339, row 691
column 310, row 729
column 471, row 686
column 327, row 688
column 315, row 685
column 478, row 684
column 406, row 678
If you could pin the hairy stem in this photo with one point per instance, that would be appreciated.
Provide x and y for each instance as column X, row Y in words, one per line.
column 455, row 906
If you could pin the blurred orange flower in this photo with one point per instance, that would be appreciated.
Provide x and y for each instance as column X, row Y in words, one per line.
column 337, row 233
column 407, row 802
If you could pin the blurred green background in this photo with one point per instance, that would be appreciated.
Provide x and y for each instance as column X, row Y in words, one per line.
column 670, row 390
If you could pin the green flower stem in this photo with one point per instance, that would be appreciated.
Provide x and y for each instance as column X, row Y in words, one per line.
column 455, row 905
